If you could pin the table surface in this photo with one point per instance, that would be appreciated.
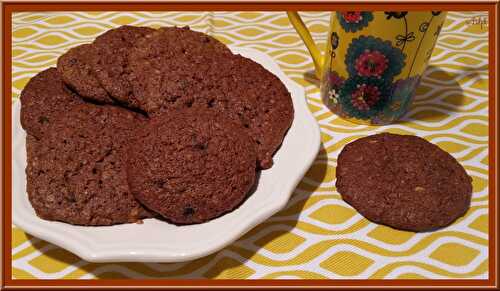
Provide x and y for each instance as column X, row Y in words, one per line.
column 304, row 240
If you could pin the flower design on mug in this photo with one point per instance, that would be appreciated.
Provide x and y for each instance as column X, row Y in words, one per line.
column 335, row 83
column 333, row 96
column 353, row 21
column 402, row 95
column 334, row 39
column 395, row 14
column 363, row 97
column 335, row 80
column 371, row 63
column 423, row 26
column 368, row 56
column 403, row 39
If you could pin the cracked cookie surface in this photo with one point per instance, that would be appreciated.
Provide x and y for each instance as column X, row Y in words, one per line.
column 191, row 165
column 43, row 99
column 177, row 67
column 98, row 70
column 76, row 173
column 403, row 181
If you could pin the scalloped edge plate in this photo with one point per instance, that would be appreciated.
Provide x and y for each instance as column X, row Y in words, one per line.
column 158, row 241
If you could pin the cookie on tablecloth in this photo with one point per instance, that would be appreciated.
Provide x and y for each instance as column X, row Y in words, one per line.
column 403, row 181
column 191, row 165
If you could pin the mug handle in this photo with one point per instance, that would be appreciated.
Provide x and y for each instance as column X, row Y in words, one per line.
column 305, row 35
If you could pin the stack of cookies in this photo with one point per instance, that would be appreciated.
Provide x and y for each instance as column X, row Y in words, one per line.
column 147, row 123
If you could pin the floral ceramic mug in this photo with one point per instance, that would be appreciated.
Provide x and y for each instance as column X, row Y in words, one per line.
column 373, row 61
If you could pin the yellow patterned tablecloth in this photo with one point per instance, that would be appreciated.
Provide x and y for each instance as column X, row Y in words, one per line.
column 317, row 235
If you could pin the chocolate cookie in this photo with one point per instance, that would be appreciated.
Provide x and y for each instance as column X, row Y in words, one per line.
column 261, row 101
column 77, row 174
column 191, row 165
column 43, row 99
column 169, row 66
column 77, row 68
column 403, row 181
column 98, row 70
column 176, row 68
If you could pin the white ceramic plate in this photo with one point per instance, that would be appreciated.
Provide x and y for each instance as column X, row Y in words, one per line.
column 158, row 241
